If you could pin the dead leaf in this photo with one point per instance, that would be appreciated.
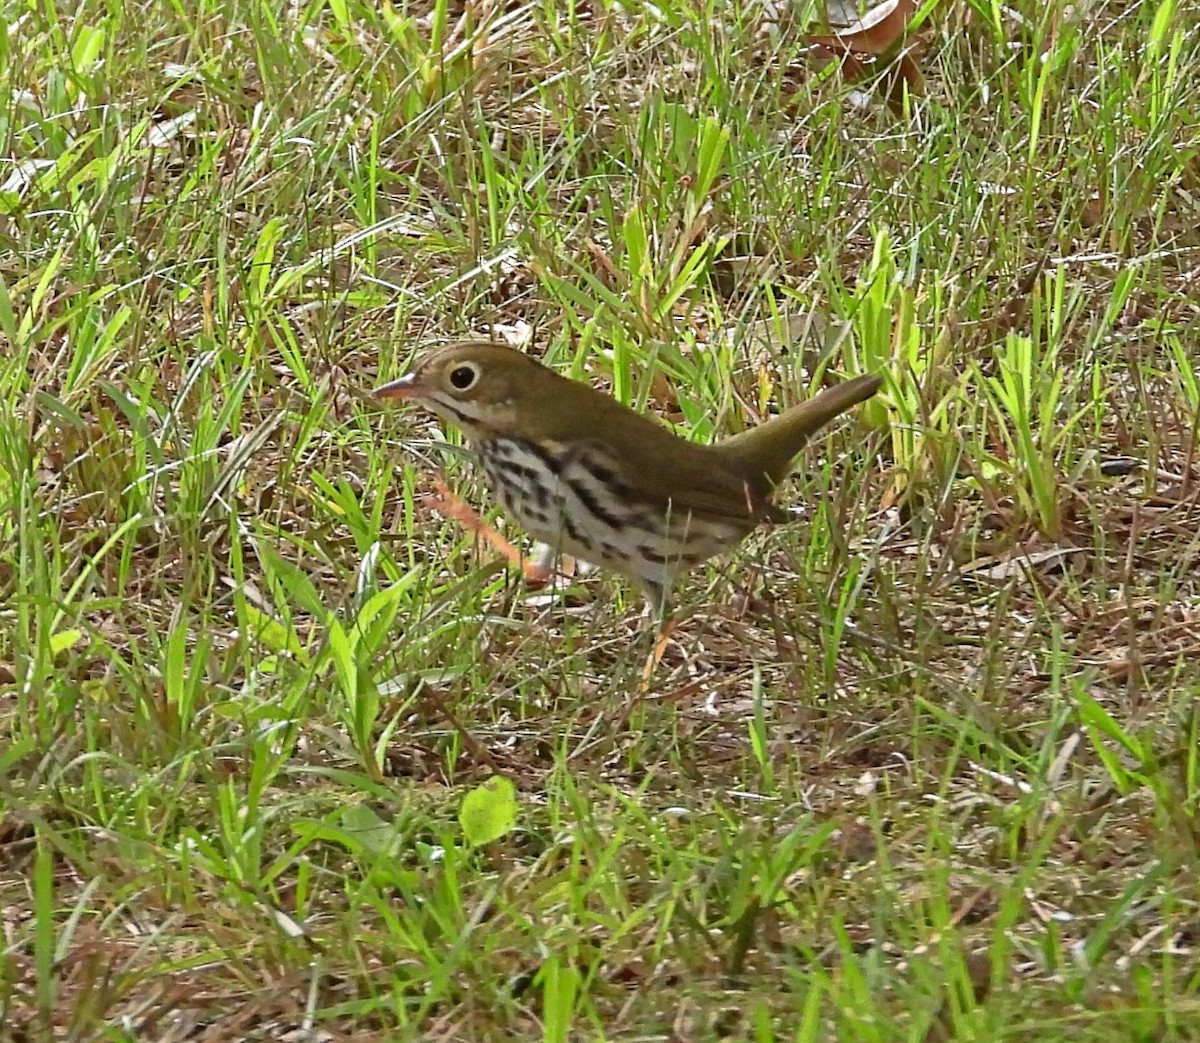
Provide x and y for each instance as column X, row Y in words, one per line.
column 873, row 34
column 979, row 975
column 856, row 46
column 1018, row 563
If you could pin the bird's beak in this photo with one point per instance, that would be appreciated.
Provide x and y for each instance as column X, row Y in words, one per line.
column 405, row 387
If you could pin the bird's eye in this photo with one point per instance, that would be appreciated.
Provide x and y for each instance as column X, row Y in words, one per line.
column 462, row 377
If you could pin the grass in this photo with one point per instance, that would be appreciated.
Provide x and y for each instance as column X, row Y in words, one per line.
column 922, row 767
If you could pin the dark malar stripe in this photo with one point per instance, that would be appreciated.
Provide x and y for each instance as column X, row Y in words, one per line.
column 464, row 420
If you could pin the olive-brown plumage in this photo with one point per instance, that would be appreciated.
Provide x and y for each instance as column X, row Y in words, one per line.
column 601, row 482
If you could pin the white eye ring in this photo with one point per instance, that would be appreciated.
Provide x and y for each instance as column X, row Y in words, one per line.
column 463, row 376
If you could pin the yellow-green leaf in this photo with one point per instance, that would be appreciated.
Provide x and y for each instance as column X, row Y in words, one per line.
column 489, row 811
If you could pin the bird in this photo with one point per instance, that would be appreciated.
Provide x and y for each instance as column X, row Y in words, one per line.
column 599, row 481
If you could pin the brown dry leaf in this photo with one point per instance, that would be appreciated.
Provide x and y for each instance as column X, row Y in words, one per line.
column 905, row 74
column 856, row 46
column 1012, row 312
column 1018, row 562
column 979, row 973
column 663, row 392
column 873, row 34
column 610, row 278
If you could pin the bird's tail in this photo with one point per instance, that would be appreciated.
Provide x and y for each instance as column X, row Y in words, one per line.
column 770, row 447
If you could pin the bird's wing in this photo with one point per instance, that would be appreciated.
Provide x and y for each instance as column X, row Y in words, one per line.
column 684, row 477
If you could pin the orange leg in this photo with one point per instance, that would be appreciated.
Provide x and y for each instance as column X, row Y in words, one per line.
column 656, row 654
column 442, row 500
column 648, row 668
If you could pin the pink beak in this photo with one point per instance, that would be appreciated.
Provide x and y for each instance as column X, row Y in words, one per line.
column 405, row 387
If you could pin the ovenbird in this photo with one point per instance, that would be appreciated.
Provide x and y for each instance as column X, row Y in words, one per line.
column 595, row 479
